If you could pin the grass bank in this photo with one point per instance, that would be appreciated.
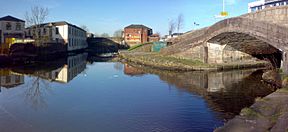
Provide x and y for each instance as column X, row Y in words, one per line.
column 138, row 46
column 156, row 60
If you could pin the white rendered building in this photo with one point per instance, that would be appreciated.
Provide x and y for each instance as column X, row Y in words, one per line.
column 262, row 4
column 60, row 32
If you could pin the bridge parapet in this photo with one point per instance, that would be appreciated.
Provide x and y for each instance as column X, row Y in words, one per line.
column 277, row 15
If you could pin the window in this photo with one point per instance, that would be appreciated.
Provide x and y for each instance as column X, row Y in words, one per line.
column 17, row 79
column 18, row 26
column 253, row 9
column 8, row 79
column 44, row 31
column 56, row 75
column 57, row 30
column 8, row 26
column 39, row 32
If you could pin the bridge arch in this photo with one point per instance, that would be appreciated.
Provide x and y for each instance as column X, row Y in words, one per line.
column 262, row 36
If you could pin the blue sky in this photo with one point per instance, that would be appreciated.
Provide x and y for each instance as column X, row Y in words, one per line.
column 107, row 16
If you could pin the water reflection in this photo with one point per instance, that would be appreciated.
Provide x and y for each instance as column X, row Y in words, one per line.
column 226, row 93
column 10, row 80
column 42, row 74
column 120, row 97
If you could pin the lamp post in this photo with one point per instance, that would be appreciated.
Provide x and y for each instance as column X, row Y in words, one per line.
column 223, row 13
column 223, row 6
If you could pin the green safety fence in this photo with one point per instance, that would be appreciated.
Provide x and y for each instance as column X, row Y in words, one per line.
column 157, row 46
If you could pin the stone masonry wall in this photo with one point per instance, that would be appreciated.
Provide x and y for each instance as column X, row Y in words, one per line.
column 195, row 53
column 217, row 54
column 277, row 15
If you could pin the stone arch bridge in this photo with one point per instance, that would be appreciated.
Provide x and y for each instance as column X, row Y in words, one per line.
column 259, row 34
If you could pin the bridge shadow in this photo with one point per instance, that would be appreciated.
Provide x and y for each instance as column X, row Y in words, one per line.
column 250, row 45
column 100, row 45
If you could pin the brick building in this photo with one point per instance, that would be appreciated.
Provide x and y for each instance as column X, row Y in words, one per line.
column 137, row 34
column 154, row 38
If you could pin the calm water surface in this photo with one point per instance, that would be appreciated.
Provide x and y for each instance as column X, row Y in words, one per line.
column 77, row 94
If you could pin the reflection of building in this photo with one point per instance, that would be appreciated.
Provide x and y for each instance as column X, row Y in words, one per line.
column 137, row 34
column 11, row 80
column 262, row 4
column 132, row 71
column 75, row 65
column 60, row 32
column 63, row 72
column 10, row 27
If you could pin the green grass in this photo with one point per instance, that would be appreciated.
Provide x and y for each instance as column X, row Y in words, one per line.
column 249, row 112
column 137, row 46
column 183, row 61
column 283, row 90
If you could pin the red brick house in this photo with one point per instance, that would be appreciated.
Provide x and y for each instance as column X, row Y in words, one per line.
column 137, row 34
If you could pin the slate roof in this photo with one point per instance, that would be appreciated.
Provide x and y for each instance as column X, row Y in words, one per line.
column 10, row 18
column 137, row 26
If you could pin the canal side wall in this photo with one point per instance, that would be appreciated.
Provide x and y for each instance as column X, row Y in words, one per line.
column 267, row 114
column 31, row 49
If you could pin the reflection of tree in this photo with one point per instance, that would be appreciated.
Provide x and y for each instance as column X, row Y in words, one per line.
column 36, row 89
column 118, row 66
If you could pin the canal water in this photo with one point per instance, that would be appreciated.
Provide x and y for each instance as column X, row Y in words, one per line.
column 82, row 93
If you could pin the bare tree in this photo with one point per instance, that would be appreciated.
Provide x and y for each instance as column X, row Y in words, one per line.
column 37, row 16
column 37, row 88
column 96, row 35
column 158, row 33
column 105, row 35
column 180, row 22
column 118, row 35
column 171, row 27
column 84, row 27
column 34, row 19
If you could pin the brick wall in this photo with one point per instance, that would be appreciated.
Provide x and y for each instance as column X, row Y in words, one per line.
column 135, row 36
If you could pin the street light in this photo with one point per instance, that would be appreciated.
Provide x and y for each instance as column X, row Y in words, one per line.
column 224, row 13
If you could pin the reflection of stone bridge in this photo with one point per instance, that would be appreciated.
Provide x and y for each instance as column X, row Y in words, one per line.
column 225, row 92
column 260, row 33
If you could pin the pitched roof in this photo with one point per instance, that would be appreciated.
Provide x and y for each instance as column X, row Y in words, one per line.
column 60, row 23
column 137, row 26
column 10, row 18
